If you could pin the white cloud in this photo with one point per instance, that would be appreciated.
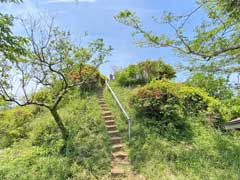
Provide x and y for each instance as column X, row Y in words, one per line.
column 24, row 9
column 70, row 1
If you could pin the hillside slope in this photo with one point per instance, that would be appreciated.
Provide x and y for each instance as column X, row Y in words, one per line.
column 200, row 152
column 36, row 154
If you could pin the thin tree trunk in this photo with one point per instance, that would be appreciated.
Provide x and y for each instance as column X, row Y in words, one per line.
column 60, row 124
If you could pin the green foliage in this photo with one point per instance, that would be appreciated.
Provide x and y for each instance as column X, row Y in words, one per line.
column 14, row 125
column 197, row 152
column 215, row 87
column 214, row 47
column 50, row 54
column 144, row 72
column 168, row 101
column 11, row 46
column 36, row 155
column 28, row 162
column 88, row 77
column 233, row 107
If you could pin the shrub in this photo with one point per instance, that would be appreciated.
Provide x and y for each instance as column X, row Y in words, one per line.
column 145, row 72
column 168, row 102
column 89, row 77
column 13, row 125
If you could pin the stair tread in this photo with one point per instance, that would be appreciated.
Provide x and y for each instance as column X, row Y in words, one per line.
column 111, row 120
column 117, row 171
column 117, row 137
column 115, row 131
column 110, row 126
column 103, row 106
column 106, row 111
column 120, row 162
column 108, row 116
column 118, row 145
column 120, row 153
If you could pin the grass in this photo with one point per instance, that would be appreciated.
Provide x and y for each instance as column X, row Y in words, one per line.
column 36, row 155
column 29, row 147
column 200, row 152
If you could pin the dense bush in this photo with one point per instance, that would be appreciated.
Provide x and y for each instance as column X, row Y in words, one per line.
column 88, row 76
column 144, row 72
column 169, row 102
column 14, row 125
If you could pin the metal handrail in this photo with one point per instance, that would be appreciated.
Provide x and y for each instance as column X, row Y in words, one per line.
column 121, row 108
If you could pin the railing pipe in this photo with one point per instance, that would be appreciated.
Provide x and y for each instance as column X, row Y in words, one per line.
column 121, row 108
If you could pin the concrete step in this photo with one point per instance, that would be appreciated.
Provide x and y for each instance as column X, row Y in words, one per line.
column 116, row 140
column 108, row 117
column 117, row 172
column 101, row 103
column 117, row 147
column 106, row 113
column 111, row 127
column 118, row 162
column 103, row 106
column 119, row 155
column 113, row 133
column 110, row 122
column 104, row 109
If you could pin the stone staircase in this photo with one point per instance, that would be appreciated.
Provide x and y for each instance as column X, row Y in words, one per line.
column 120, row 165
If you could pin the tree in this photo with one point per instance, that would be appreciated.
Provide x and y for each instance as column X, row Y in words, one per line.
column 144, row 72
column 10, row 45
column 41, row 76
column 215, row 86
column 215, row 46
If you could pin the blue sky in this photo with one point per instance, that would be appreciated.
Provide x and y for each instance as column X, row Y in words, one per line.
column 96, row 18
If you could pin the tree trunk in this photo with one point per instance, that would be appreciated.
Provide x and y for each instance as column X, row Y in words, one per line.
column 60, row 124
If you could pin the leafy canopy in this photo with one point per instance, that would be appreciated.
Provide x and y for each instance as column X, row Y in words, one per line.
column 11, row 46
column 215, row 46
column 215, row 86
column 144, row 72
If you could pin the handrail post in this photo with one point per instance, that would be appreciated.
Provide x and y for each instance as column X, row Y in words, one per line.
column 122, row 109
